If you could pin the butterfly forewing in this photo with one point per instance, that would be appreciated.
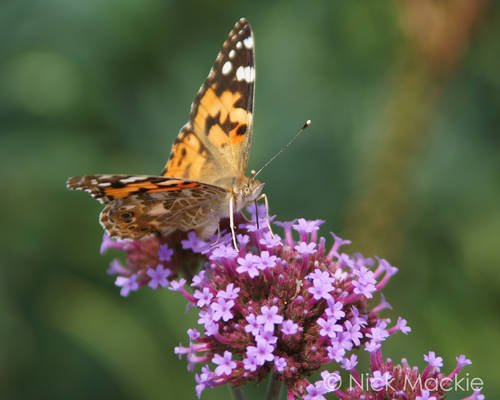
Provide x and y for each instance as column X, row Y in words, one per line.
column 214, row 145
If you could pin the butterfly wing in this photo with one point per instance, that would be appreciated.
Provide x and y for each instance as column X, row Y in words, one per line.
column 213, row 147
column 140, row 205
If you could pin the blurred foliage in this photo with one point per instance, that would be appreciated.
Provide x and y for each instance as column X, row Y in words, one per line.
column 402, row 158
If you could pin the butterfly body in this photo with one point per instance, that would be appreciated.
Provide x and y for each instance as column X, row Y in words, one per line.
column 204, row 178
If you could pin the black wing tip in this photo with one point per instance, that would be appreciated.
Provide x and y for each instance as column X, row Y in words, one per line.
column 242, row 24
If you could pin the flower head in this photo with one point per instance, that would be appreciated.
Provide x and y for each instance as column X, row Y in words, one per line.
column 281, row 305
column 285, row 306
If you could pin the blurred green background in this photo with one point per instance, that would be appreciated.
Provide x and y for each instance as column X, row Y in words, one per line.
column 402, row 158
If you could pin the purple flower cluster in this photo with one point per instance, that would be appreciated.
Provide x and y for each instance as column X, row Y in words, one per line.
column 282, row 305
column 389, row 381
column 153, row 261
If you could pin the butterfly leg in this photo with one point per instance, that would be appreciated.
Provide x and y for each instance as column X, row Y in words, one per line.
column 231, row 221
column 263, row 196
column 245, row 217
column 218, row 237
column 256, row 213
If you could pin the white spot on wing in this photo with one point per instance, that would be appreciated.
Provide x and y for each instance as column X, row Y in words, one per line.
column 132, row 179
column 232, row 53
column 248, row 42
column 227, row 67
column 239, row 45
column 245, row 74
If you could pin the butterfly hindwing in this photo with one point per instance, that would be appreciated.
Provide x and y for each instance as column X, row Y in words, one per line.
column 140, row 205
column 215, row 143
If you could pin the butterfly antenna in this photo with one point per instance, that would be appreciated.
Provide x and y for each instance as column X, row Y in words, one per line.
column 306, row 125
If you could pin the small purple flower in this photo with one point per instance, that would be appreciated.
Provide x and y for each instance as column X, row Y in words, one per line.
column 199, row 279
column 378, row 334
column 193, row 242
column 328, row 327
column 279, row 363
column 320, row 275
column 352, row 332
column 372, row 346
column 350, row 363
column 335, row 310
column 335, row 352
column 116, row 268
column 262, row 352
column 243, row 240
column 193, row 334
column 320, row 290
column 248, row 265
column 270, row 241
column 165, row 253
column 108, row 243
column 436, row 362
column 203, row 380
column 476, row 395
column 344, row 341
column 425, row 395
column 230, row 293
column 330, row 381
column 462, row 361
column 158, row 276
column 315, row 392
column 378, row 381
column 224, row 251
column 250, row 363
column 222, row 309
column 306, row 248
column 204, row 297
column 402, row 326
column 288, row 327
column 304, row 226
column 177, row 286
column 127, row 284
column 253, row 326
column 266, row 336
column 384, row 264
column 225, row 363
column 365, row 284
column 265, row 261
column 206, row 317
column 269, row 317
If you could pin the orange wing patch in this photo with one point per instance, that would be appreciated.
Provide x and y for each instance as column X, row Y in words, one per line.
column 188, row 156
column 147, row 187
column 222, row 111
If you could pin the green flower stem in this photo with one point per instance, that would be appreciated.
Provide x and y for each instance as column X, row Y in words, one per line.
column 237, row 393
column 274, row 388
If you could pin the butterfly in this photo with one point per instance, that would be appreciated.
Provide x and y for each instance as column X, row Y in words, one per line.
column 204, row 178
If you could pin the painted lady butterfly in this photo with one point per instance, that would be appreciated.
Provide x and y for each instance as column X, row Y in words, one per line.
column 204, row 179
